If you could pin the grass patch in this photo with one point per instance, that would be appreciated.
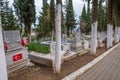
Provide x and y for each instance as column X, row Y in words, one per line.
column 38, row 47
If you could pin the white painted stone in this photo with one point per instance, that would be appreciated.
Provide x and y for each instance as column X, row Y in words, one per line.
column 9, row 55
column 78, row 44
column 111, row 35
column 77, row 35
column 100, row 43
column 52, row 48
column 30, row 64
column 64, row 38
column 57, row 60
column 3, row 67
column 93, row 44
column 108, row 35
column 66, row 46
column 86, row 45
column 13, row 40
column 119, row 33
column 80, row 71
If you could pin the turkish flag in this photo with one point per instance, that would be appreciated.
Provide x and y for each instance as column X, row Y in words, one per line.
column 22, row 42
column 27, row 40
column 17, row 57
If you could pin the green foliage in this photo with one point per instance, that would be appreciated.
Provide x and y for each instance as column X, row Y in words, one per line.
column 101, row 16
column 52, row 14
column 70, row 20
column 84, row 14
column 88, row 28
column 44, row 29
column 83, row 20
column 8, row 20
column 38, row 48
column 25, row 10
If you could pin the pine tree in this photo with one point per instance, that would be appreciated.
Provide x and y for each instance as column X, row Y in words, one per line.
column 94, row 27
column 70, row 20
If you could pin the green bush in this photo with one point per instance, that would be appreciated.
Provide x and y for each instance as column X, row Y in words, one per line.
column 38, row 48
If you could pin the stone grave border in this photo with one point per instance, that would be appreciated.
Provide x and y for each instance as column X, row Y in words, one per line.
column 80, row 71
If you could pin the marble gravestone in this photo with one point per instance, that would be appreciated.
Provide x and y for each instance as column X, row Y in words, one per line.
column 64, row 38
column 76, row 43
column 65, row 45
column 77, row 38
column 13, row 40
column 77, row 35
column 16, row 55
column 52, row 48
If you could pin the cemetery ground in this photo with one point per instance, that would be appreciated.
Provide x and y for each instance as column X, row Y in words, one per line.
column 41, row 72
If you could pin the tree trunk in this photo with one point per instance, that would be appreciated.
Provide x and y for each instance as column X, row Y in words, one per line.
column 109, row 25
column 57, row 60
column 94, row 38
column 94, row 27
column 3, row 66
column 116, row 34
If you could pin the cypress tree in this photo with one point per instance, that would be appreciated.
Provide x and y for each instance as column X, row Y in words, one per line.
column 52, row 16
column 44, row 29
column 70, row 20
column 84, row 14
column 88, row 18
column 83, row 20
column 8, row 19
column 25, row 9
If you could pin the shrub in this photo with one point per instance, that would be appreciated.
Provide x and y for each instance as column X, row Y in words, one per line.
column 38, row 47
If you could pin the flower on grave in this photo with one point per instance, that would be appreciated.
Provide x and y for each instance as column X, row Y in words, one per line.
column 5, row 46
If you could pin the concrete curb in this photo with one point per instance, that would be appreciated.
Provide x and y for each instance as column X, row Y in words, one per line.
column 80, row 71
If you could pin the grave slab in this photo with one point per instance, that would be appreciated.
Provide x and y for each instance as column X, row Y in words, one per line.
column 16, row 54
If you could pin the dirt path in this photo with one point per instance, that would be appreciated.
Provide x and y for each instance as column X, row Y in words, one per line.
column 41, row 72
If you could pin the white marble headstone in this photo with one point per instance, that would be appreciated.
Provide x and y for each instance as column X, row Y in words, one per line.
column 12, row 38
column 77, row 35
column 64, row 38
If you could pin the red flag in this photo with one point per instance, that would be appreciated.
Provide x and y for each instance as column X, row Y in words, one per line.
column 5, row 46
column 17, row 57
column 22, row 42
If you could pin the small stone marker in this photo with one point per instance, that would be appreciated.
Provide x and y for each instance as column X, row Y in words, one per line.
column 52, row 48
column 64, row 38
column 16, row 54
column 86, row 45
column 77, row 35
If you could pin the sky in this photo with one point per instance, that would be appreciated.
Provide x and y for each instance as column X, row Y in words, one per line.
column 77, row 5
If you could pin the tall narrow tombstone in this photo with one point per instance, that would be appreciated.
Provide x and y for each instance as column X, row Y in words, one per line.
column 52, row 48
column 77, row 35
column 77, row 38
column 3, row 67
column 64, row 38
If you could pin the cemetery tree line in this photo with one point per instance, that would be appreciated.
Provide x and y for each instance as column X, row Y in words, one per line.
column 50, row 21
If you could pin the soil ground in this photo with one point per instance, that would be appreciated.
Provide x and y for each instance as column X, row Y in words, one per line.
column 41, row 72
